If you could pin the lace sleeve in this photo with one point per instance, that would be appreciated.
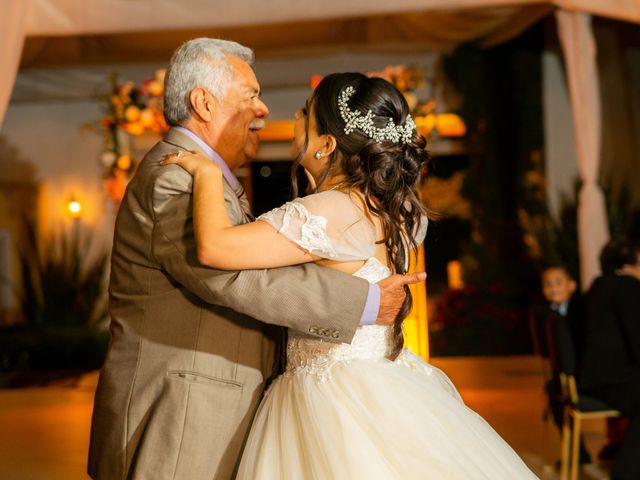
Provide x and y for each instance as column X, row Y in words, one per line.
column 328, row 224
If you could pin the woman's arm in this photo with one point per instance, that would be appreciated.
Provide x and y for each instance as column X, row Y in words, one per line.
column 221, row 244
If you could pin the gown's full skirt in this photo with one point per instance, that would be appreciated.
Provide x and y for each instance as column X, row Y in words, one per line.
column 346, row 412
column 349, row 413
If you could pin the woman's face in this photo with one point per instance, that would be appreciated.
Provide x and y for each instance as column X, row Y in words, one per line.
column 312, row 164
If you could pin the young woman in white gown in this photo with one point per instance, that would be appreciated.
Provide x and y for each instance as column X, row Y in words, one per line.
column 369, row 409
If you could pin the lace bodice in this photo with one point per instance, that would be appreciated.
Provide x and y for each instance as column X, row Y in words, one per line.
column 317, row 356
column 332, row 225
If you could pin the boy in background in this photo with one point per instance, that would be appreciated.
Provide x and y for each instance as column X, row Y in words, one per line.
column 563, row 310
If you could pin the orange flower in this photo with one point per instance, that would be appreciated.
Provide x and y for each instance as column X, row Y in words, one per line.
column 161, row 124
column 155, row 88
column 107, row 121
column 147, row 118
column 124, row 162
column 315, row 80
column 124, row 91
column 116, row 186
column 134, row 128
column 132, row 113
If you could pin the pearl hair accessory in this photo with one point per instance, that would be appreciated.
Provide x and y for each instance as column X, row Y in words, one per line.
column 355, row 120
column 318, row 155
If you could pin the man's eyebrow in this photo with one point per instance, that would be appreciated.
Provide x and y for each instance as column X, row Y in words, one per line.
column 252, row 90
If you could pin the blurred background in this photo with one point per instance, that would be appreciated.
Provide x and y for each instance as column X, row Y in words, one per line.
column 527, row 108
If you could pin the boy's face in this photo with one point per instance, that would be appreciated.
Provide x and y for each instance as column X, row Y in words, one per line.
column 557, row 285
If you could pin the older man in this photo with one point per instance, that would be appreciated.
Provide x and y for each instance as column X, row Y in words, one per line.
column 192, row 347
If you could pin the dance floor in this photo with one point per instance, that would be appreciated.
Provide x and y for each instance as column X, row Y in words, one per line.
column 44, row 431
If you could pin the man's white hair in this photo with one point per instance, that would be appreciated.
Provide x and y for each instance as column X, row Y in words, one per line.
column 201, row 62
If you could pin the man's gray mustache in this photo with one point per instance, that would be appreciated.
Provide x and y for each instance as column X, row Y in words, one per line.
column 257, row 124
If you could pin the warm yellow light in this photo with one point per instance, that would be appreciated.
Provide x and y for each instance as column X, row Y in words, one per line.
column 74, row 208
column 454, row 272
column 416, row 325
column 277, row 131
column 446, row 124
column 450, row 125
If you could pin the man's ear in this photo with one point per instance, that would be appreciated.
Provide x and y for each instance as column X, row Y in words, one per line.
column 201, row 104
column 572, row 286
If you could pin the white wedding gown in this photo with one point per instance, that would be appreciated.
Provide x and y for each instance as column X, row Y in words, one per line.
column 344, row 411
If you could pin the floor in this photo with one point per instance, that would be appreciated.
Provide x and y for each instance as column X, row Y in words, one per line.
column 44, row 431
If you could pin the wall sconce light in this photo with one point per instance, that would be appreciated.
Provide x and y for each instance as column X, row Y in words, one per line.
column 74, row 207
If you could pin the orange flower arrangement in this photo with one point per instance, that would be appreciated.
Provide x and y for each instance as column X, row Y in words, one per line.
column 409, row 79
column 134, row 109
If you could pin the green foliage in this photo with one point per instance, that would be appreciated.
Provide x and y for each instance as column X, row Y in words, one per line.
column 49, row 348
column 59, row 286
column 501, row 89
column 555, row 239
column 61, row 297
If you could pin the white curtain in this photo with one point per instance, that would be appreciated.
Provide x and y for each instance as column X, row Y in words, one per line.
column 579, row 49
column 69, row 17
column 12, row 33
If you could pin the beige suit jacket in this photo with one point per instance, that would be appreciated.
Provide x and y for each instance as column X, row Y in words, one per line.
column 188, row 360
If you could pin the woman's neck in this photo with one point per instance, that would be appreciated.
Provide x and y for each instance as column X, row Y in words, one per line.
column 337, row 182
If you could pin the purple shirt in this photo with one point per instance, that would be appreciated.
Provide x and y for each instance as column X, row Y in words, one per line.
column 371, row 307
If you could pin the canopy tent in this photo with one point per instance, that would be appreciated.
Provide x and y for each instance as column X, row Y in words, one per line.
column 278, row 23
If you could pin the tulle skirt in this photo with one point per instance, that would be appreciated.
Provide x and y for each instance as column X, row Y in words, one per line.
column 373, row 419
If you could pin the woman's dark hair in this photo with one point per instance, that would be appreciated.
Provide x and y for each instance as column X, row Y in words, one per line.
column 618, row 253
column 387, row 173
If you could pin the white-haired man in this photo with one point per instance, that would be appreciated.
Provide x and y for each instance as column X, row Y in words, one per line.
column 192, row 347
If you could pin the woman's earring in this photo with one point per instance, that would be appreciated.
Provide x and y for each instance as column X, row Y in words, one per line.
column 318, row 155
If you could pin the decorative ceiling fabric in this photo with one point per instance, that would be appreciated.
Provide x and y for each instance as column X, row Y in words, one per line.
column 79, row 17
column 435, row 30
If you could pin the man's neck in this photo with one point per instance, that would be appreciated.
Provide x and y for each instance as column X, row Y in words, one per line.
column 215, row 156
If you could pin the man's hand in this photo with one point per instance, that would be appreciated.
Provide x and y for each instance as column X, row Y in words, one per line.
column 392, row 295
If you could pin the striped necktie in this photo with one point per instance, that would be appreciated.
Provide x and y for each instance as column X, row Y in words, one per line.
column 244, row 202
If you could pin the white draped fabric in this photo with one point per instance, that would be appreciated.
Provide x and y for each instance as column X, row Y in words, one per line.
column 12, row 34
column 22, row 18
column 579, row 49
column 71, row 17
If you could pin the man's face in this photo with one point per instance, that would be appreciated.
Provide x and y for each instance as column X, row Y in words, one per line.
column 557, row 285
column 239, row 116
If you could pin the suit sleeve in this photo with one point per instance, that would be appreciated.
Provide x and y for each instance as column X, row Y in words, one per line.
column 629, row 315
column 308, row 298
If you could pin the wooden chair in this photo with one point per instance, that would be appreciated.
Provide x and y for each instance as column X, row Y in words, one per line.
column 577, row 408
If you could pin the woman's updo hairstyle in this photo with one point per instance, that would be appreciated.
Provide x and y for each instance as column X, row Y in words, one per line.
column 386, row 172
